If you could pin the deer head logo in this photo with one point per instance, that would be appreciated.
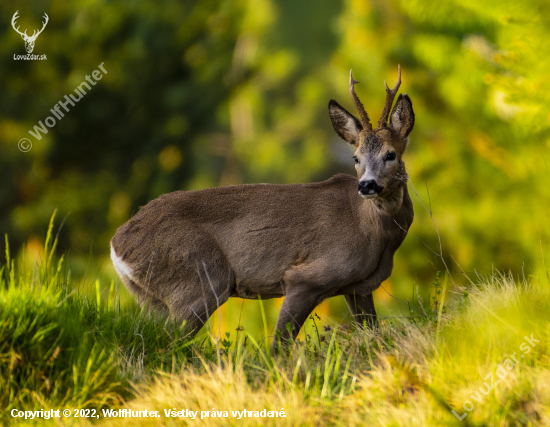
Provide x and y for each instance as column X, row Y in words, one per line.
column 29, row 40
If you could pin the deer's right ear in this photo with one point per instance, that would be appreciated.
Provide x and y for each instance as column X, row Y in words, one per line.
column 346, row 125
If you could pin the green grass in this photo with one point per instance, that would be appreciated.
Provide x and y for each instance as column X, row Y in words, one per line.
column 65, row 346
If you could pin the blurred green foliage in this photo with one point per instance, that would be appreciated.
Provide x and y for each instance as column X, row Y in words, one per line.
column 206, row 93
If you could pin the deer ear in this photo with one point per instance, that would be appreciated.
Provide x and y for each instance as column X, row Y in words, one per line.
column 346, row 125
column 402, row 116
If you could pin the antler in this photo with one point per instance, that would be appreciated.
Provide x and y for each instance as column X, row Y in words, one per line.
column 34, row 34
column 362, row 113
column 13, row 24
column 43, row 26
column 390, row 95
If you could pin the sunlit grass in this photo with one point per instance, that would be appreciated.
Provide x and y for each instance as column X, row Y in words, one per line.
column 62, row 347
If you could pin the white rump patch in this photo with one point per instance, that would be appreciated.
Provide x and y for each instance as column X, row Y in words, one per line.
column 121, row 267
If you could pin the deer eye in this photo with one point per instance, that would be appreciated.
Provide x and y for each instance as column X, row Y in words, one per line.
column 356, row 159
column 390, row 156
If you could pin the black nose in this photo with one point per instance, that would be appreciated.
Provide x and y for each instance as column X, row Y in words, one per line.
column 369, row 187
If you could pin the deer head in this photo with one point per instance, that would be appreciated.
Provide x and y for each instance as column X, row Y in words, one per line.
column 378, row 152
column 29, row 40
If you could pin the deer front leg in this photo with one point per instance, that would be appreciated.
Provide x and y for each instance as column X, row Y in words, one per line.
column 362, row 305
column 296, row 308
column 362, row 309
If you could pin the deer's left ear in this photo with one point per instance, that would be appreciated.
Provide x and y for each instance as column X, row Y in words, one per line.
column 402, row 116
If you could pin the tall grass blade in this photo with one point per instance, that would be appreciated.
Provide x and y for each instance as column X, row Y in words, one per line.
column 266, row 336
column 48, row 245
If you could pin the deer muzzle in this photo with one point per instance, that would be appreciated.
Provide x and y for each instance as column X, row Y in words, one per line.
column 369, row 189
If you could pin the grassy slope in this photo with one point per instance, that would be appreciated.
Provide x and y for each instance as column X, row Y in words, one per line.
column 61, row 348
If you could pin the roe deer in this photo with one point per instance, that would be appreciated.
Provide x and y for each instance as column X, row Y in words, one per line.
column 185, row 253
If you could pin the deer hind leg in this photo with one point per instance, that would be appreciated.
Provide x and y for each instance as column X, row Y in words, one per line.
column 202, row 292
column 181, row 282
column 146, row 299
column 362, row 309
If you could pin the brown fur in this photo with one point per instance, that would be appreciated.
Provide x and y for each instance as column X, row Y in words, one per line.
column 189, row 251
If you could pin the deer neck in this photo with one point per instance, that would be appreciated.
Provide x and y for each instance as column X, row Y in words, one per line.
column 378, row 216
column 396, row 206
column 392, row 203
